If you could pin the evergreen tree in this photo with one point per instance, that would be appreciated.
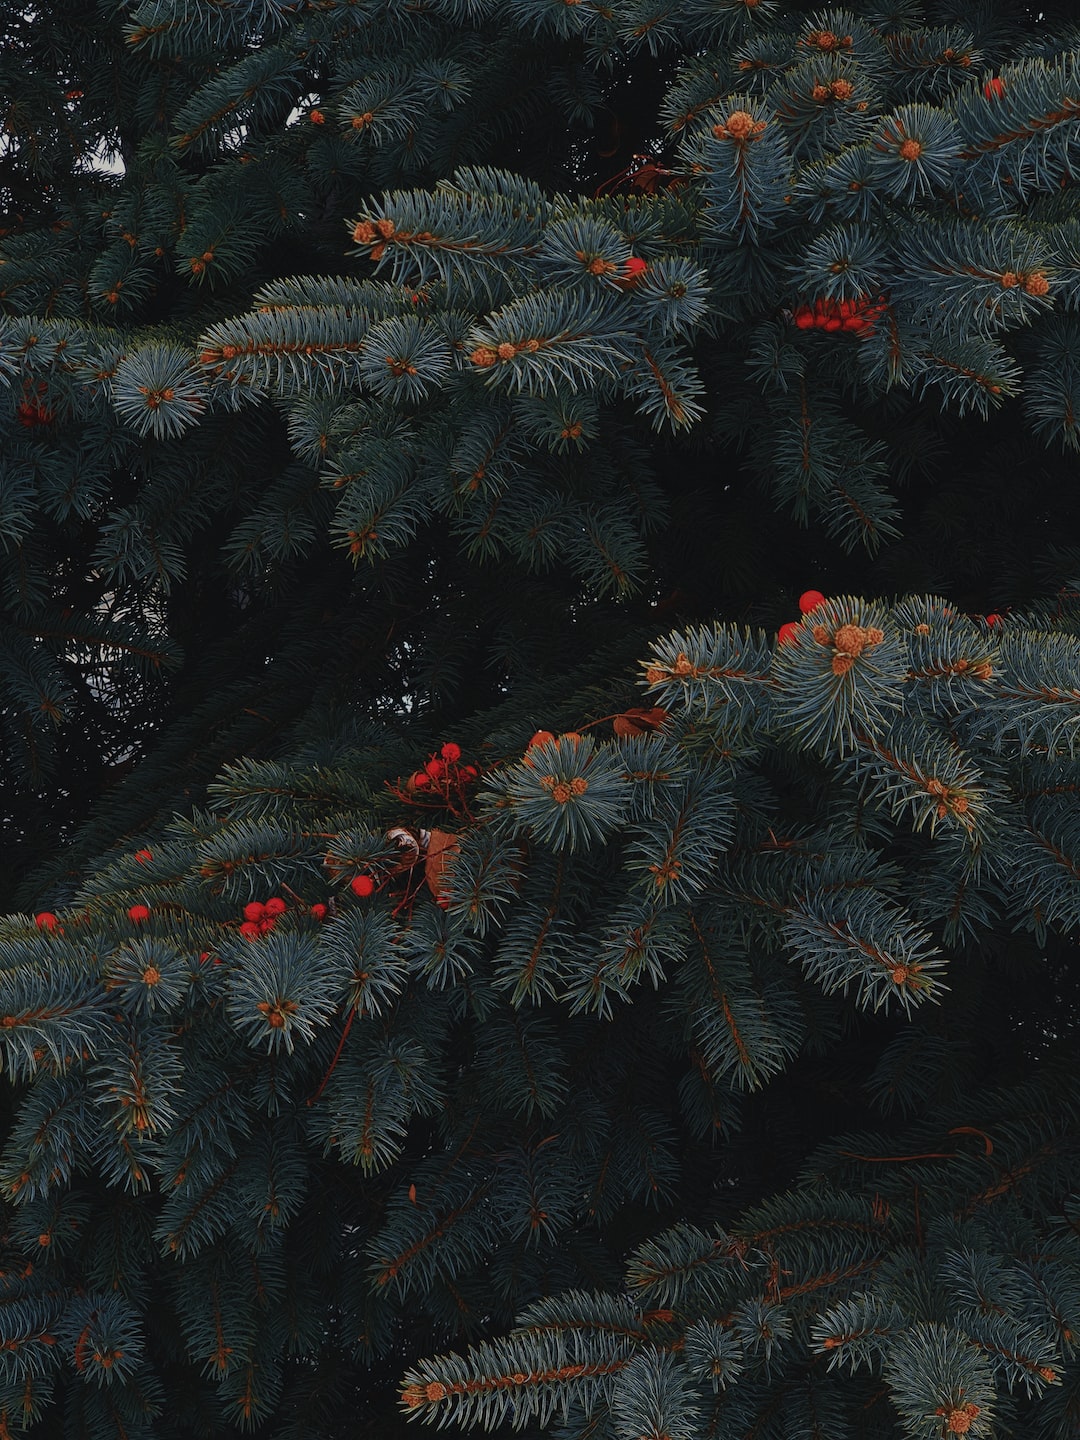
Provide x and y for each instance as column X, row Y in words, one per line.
column 473, row 955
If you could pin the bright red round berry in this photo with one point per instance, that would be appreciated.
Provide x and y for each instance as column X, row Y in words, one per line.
column 810, row 600
column 789, row 633
column 143, row 856
column 138, row 913
column 318, row 912
column 436, row 769
column 451, row 752
column 362, row 885
column 275, row 906
column 46, row 920
column 635, row 265
column 266, row 924
column 420, row 781
column 469, row 772
column 994, row 89
column 254, row 910
column 994, row 619
column 249, row 930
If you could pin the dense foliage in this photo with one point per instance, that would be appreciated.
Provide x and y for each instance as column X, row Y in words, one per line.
column 540, row 707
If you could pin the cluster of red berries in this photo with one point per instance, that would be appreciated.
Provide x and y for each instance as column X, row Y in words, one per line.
column 808, row 600
column 260, row 916
column 857, row 317
column 443, row 774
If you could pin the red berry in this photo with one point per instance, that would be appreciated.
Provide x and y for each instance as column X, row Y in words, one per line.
column 994, row 619
column 275, row 906
column 266, row 924
column 436, row 769
column 318, row 912
column 810, row 600
column 451, row 752
column 994, row 89
column 635, row 266
column 138, row 913
column 204, row 956
column 542, row 737
column 143, row 856
column 804, row 318
column 833, row 324
column 254, row 910
column 46, row 920
column 362, row 885
column 469, row 772
column 249, row 930
column 420, row 781
column 789, row 633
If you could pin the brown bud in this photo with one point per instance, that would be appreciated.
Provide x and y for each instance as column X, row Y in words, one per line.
column 850, row 639
column 739, row 125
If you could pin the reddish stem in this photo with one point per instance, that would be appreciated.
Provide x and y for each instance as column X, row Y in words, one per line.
column 337, row 1056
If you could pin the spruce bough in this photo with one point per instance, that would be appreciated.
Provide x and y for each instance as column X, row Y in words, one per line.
column 432, row 379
